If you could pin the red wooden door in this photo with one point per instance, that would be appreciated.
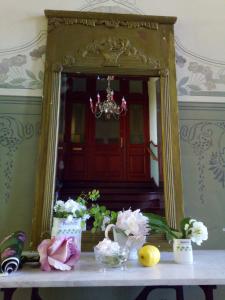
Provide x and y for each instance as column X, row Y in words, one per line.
column 102, row 149
column 106, row 153
column 137, row 131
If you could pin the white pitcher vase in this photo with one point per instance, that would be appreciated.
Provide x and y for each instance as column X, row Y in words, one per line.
column 133, row 243
column 182, row 250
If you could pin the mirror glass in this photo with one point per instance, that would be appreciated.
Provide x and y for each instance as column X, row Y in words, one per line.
column 121, row 156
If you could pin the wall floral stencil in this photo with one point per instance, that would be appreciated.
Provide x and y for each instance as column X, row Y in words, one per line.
column 117, row 6
column 198, row 76
column 13, row 133
column 207, row 139
column 23, row 67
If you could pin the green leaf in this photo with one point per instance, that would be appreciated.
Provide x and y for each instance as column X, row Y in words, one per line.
column 102, row 208
column 17, row 80
column 182, row 225
column 33, row 84
column 159, row 224
column 31, row 75
column 194, row 87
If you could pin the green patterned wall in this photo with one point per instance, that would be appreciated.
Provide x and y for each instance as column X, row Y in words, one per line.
column 19, row 131
column 202, row 131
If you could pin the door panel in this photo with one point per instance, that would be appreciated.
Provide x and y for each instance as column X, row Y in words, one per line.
column 106, row 167
column 106, row 149
column 75, row 166
column 137, row 164
column 137, row 157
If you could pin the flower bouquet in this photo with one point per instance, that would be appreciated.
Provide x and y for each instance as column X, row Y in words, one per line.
column 69, row 217
column 130, row 230
column 190, row 230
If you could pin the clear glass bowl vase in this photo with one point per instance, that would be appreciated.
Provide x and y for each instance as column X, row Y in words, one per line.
column 114, row 260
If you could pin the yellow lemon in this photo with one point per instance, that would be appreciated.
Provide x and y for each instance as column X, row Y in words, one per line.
column 148, row 255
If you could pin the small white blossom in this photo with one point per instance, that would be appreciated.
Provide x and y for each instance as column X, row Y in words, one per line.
column 69, row 219
column 198, row 232
column 108, row 247
column 133, row 222
column 71, row 206
column 186, row 227
column 192, row 221
column 59, row 205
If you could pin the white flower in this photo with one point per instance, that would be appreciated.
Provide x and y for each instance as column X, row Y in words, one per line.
column 85, row 217
column 186, row 227
column 105, row 222
column 198, row 232
column 69, row 219
column 132, row 222
column 71, row 206
column 59, row 206
column 108, row 247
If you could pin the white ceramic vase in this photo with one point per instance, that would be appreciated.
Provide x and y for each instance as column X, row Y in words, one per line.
column 68, row 229
column 131, row 242
column 182, row 250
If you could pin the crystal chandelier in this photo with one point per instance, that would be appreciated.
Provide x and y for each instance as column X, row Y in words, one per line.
column 108, row 107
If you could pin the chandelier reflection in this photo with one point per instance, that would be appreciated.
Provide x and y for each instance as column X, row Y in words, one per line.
column 108, row 108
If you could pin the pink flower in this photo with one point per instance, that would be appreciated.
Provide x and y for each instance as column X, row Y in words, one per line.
column 7, row 253
column 58, row 253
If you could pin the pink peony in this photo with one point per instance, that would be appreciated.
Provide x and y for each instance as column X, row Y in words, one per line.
column 58, row 253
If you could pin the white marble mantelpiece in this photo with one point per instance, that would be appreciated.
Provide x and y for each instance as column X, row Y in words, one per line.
column 208, row 269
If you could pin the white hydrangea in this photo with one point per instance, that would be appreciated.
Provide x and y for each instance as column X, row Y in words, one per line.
column 59, row 205
column 108, row 247
column 197, row 232
column 70, row 207
column 133, row 222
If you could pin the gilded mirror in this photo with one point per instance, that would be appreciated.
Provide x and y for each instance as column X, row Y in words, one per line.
column 137, row 151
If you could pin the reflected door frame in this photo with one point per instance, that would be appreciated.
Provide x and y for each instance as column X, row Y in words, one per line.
column 125, row 160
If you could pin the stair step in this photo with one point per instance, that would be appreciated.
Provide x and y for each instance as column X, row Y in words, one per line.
column 120, row 195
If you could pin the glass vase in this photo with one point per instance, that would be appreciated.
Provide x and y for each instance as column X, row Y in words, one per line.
column 133, row 243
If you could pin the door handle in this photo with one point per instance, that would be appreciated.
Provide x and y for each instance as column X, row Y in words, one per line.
column 77, row 149
column 121, row 142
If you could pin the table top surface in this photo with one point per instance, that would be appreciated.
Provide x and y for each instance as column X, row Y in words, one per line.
column 208, row 269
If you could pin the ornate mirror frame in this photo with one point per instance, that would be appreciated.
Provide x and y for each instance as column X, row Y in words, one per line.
column 107, row 44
